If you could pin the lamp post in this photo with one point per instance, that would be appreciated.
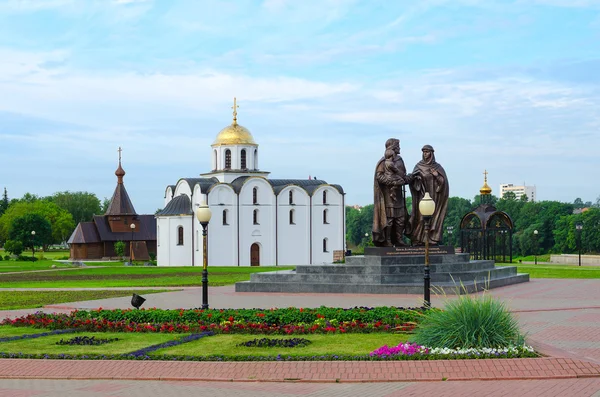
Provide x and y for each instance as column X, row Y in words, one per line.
column 203, row 214
column 427, row 208
column 33, row 245
column 579, row 228
column 132, row 227
column 535, row 247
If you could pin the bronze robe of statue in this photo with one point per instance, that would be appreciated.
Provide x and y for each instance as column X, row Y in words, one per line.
column 390, row 217
column 428, row 176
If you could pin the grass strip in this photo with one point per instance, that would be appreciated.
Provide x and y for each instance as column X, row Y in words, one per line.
column 10, row 300
column 32, row 336
column 559, row 271
column 128, row 342
column 130, row 276
column 333, row 344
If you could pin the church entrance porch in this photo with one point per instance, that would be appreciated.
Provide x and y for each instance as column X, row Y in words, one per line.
column 255, row 255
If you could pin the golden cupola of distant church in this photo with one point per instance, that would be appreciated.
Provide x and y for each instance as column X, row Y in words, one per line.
column 485, row 189
column 234, row 134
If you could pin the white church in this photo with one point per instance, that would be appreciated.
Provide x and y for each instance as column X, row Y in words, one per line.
column 256, row 221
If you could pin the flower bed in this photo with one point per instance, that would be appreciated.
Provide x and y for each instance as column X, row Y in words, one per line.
column 247, row 321
column 406, row 351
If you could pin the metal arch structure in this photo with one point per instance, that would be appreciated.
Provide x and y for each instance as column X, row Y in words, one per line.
column 486, row 234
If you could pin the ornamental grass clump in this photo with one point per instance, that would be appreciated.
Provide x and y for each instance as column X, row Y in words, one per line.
column 469, row 322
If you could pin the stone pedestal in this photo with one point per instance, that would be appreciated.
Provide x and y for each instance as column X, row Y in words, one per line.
column 380, row 272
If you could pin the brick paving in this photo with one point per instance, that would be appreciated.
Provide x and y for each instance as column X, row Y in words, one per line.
column 323, row 371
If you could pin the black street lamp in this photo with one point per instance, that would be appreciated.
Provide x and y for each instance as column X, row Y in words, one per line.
column 203, row 214
column 579, row 228
column 33, row 245
column 427, row 208
column 535, row 247
column 132, row 227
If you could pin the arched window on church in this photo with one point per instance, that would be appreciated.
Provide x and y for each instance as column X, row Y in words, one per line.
column 291, row 197
column 225, row 217
column 255, row 217
column 227, row 159
column 243, row 157
column 255, row 195
column 324, row 196
column 255, row 159
column 180, row 235
column 324, row 245
column 292, row 217
column 325, row 221
column 215, row 165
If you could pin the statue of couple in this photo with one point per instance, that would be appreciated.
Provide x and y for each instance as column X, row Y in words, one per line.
column 391, row 221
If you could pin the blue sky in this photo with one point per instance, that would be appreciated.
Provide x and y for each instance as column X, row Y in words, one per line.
column 508, row 86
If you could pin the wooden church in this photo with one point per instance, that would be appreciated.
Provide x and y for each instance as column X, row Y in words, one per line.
column 96, row 239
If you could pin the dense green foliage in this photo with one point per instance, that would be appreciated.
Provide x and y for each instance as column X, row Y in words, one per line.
column 81, row 205
column 469, row 322
column 63, row 210
column 554, row 221
column 31, row 230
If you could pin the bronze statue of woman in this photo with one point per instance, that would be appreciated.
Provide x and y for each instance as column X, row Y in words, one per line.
column 428, row 176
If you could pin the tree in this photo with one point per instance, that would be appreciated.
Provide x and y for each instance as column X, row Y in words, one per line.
column 22, row 227
column 13, row 247
column 4, row 203
column 105, row 205
column 509, row 196
column 81, row 205
column 578, row 203
column 60, row 219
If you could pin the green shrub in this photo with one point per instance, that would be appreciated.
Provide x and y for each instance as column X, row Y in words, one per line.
column 120, row 248
column 14, row 247
column 469, row 322
column 6, row 257
column 27, row 258
column 152, row 256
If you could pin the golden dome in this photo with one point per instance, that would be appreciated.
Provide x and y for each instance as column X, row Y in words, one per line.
column 234, row 134
column 485, row 189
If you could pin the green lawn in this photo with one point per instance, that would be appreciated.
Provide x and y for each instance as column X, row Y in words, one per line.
column 130, row 276
column 559, row 271
column 9, row 330
column 338, row 344
column 127, row 343
column 22, row 266
column 11, row 300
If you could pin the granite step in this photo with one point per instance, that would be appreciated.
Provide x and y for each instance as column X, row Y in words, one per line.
column 405, row 288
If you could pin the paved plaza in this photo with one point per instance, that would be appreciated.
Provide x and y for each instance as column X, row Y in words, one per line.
column 561, row 319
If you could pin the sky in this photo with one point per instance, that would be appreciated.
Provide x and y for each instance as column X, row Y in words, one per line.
column 507, row 86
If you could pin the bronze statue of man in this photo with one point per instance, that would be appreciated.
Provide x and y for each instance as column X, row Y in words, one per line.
column 390, row 218
column 428, row 176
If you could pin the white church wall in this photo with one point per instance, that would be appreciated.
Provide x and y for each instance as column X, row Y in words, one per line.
column 168, row 195
column 175, row 254
column 293, row 239
column 329, row 231
column 262, row 233
column 222, row 238
column 182, row 187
